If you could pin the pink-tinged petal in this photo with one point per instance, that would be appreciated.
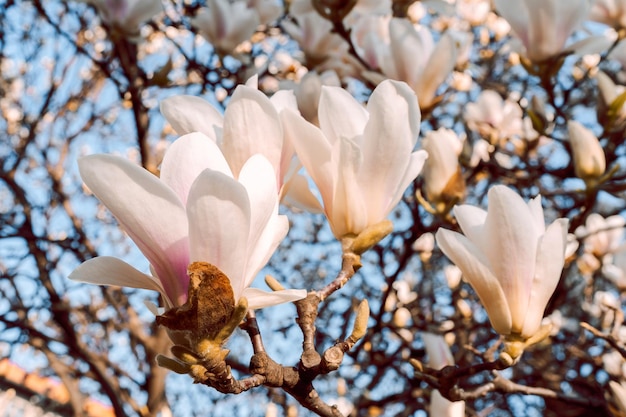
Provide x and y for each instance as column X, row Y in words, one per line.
column 473, row 264
column 516, row 13
column 513, row 248
column 313, row 150
column 388, row 140
column 349, row 211
column 186, row 158
column 284, row 99
column 550, row 260
column 340, row 114
column 189, row 114
column 107, row 270
column 440, row 406
column 219, row 224
column 149, row 211
column 261, row 299
column 251, row 126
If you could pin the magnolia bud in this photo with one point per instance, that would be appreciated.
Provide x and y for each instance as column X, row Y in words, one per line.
column 589, row 159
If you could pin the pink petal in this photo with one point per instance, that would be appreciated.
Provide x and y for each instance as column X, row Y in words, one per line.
column 149, row 211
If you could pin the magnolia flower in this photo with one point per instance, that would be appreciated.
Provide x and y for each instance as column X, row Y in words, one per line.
column 409, row 54
column 589, row 159
column 600, row 235
column 308, row 92
column 196, row 211
column 361, row 160
column 494, row 118
column 127, row 16
column 443, row 181
column 510, row 258
column 543, row 26
column 439, row 356
column 610, row 12
column 226, row 24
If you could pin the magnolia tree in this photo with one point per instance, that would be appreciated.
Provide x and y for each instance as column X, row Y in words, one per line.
column 338, row 208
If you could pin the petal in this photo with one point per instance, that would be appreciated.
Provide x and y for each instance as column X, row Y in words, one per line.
column 349, row 212
column 149, row 211
column 314, row 152
column 107, row 270
column 550, row 260
column 439, row 66
column 260, row 299
column 186, row 158
column 259, row 254
column 388, row 140
column 251, row 126
column 473, row 264
column 472, row 219
column 340, row 114
column 219, row 224
column 509, row 228
column 297, row 193
column 189, row 114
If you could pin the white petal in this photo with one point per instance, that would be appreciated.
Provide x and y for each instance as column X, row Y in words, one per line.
column 473, row 265
column 550, row 259
column 349, row 210
column 149, row 211
column 440, row 64
column 107, row 270
column 251, row 126
column 189, row 114
column 298, row 194
column 219, row 224
column 260, row 299
column 314, row 152
column 186, row 158
column 472, row 219
column 259, row 254
column 340, row 114
column 388, row 140
column 512, row 252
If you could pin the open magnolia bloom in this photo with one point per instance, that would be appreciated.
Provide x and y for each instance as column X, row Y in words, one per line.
column 250, row 125
column 544, row 26
column 196, row 212
column 361, row 160
column 510, row 258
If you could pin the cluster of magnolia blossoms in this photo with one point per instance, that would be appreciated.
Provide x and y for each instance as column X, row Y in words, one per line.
column 220, row 184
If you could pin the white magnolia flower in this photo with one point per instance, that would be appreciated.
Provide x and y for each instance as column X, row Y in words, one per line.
column 439, row 356
column 510, row 258
column 588, row 155
column 196, row 211
column 543, row 26
column 495, row 118
column 602, row 236
column 361, row 160
column 409, row 54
